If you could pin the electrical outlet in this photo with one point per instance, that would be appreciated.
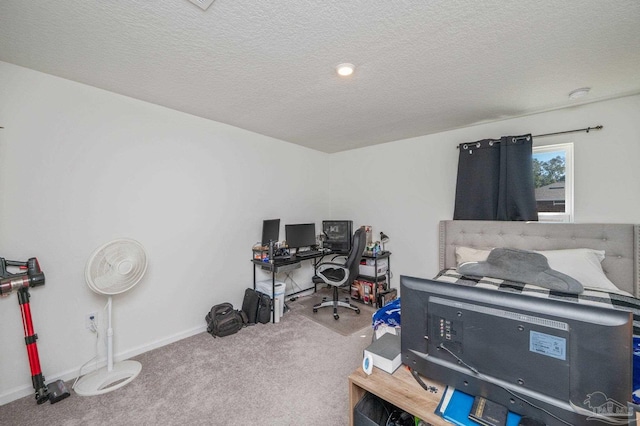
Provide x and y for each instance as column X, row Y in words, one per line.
column 88, row 319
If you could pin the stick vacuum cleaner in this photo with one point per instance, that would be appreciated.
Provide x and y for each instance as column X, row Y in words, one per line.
column 21, row 282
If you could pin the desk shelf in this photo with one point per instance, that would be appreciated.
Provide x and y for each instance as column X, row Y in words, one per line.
column 375, row 279
column 277, row 267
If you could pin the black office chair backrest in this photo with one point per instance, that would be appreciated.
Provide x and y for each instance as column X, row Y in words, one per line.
column 357, row 249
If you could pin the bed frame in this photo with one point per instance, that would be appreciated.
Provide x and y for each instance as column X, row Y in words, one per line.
column 621, row 243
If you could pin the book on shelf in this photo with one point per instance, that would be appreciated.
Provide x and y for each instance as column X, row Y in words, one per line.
column 488, row 413
column 385, row 352
column 456, row 407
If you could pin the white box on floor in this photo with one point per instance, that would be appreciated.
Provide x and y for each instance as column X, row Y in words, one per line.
column 265, row 287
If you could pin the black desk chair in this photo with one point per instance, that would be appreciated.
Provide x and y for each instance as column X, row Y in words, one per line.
column 338, row 274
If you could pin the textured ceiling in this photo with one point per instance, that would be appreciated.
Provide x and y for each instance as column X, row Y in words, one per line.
column 268, row 66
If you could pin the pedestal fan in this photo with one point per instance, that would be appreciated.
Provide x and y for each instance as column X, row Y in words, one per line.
column 113, row 268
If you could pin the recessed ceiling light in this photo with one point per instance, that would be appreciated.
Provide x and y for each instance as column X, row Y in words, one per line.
column 579, row 93
column 345, row 70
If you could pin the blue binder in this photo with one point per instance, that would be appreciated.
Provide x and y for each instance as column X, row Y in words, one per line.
column 455, row 407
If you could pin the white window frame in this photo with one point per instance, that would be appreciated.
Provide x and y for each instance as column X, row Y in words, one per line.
column 567, row 216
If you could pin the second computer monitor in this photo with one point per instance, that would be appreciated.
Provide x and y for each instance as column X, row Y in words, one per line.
column 270, row 231
column 301, row 235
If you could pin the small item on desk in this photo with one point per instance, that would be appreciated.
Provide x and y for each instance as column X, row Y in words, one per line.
column 367, row 364
column 369, row 234
column 385, row 352
column 260, row 252
column 488, row 413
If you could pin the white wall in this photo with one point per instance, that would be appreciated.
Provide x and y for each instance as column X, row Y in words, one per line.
column 81, row 166
column 405, row 188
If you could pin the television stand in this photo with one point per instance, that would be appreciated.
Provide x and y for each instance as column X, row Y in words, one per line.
column 399, row 389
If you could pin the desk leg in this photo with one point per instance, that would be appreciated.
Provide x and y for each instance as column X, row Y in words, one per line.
column 315, row 273
column 273, row 294
column 375, row 283
column 254, row 276
column 388, row 287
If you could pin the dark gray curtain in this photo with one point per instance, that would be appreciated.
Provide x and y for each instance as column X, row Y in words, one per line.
column 495, row 180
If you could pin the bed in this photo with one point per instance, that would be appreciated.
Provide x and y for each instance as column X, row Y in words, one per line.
column 620, row 263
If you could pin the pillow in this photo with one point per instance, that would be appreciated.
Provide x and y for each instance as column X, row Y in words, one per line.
column 523, row 266
column 470, row 254
column 584, row 265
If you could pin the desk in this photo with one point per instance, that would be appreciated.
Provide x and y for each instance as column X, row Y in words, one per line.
column 284, row 266
column 401, row 390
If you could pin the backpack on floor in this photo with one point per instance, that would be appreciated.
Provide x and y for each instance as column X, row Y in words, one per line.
column 256, row 306
column 222, row 320
column 264, row 308
column 250, row 305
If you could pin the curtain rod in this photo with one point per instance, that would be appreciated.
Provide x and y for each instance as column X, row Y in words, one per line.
column 586, row 129
column 569, row 131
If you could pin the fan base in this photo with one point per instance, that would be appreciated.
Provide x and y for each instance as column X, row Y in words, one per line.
column 103, row 381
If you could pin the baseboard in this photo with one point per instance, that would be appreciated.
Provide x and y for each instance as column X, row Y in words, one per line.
column 71, row 374
column 158, row 343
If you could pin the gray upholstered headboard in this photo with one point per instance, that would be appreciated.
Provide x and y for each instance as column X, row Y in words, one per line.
column 621, row 243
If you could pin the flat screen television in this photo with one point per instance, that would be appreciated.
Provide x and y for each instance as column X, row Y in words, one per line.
column 338, row 235
column 270, row 231
column 551, row 360
column 300, row 235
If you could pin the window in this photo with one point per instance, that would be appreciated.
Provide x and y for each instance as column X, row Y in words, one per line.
column 553, row 181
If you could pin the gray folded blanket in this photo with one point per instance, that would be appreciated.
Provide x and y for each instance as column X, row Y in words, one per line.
column 522, row 266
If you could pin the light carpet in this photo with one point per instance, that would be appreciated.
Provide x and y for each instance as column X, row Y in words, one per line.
column 290, row 373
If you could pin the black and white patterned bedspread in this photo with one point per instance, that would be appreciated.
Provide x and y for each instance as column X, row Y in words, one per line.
column 611, row 300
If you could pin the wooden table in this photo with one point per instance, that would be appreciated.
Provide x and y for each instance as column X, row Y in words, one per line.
column 401, row 390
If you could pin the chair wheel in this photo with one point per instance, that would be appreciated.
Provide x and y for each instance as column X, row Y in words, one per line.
column 315, row 311
column 357, row 311
column 336, row 316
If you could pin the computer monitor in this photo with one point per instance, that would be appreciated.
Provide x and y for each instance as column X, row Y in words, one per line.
column 270, row 231
column 300, row 235
column 539, row 357
column 338, row 235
